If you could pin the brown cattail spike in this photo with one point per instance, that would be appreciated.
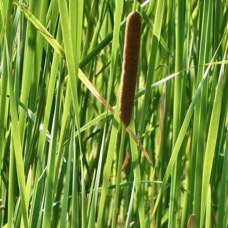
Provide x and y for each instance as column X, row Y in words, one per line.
column 130, row 66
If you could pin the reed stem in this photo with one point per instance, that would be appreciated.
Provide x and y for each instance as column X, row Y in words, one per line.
column 120, row 161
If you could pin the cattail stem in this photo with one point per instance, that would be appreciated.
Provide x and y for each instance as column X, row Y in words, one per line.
column 118, row 177
column 130, row 66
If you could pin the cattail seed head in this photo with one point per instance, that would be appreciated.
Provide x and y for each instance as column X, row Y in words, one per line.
column 130, row 66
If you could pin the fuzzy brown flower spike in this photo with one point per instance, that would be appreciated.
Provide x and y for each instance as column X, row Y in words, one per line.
column 130, row 66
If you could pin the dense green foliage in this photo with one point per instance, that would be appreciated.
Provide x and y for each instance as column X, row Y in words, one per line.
column 65, row 158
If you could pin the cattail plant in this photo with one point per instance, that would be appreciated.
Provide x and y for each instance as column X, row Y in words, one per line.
column 130, row 66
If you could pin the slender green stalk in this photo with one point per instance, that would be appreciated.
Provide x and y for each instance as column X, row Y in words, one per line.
column 138, row 196
column 91, row 222
column 4, row 102
column 178, row 113
column 63, row 221
column 28, row 73
column 181, row 136
column 75, row 186
column 223, row 188
column 129, row 213
column 17, row 145
column 118, row 177
column 208, row 209
column 113, row 137
column 12, row 186
column 200, row 113
column 116, row 30
column 42, row 137
column 4, row 80
column 72, row 42
column 212, row 139
column 152, row 60
column 51, row 165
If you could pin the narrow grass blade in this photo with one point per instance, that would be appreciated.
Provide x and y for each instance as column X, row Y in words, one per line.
column 181, row 136
column 153, row 52
column 63, row 220
column 208, row 209
column 51, row 165
column 17, row 144
column 223, row 188
column 113, row 138
column 138, row 196
column 212, row 139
